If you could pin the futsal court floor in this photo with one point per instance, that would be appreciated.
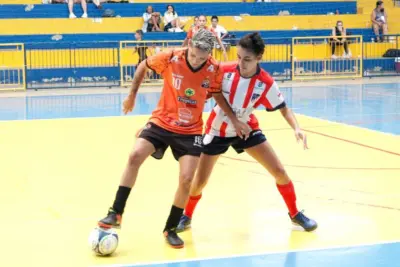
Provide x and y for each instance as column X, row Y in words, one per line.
column 62, row 154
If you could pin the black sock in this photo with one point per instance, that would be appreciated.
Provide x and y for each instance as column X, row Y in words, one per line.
column 120, row 199
column 174, row 217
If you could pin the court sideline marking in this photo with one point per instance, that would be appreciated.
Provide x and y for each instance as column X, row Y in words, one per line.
column 250, row 254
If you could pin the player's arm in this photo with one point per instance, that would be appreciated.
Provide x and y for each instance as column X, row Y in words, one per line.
column 242, row 129
column 157, row 63
column 273, row 100
column 138, row 78
column 289, row 116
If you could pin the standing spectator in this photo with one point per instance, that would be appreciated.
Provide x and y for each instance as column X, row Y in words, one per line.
column 71, row 7
column 171, row 19
column 339, row 38
column 202, row 25
column 196, row 21
column 379, row 20
column 221, row 31
column 151, row 20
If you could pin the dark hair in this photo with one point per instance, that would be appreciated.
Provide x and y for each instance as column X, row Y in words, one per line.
column 379, row 3
column 139, row 32
column 253, row 42
column 196, row 17
column 173, row 8
column 214, row 17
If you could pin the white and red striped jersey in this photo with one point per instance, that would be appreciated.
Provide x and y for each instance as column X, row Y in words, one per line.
column 244, row 95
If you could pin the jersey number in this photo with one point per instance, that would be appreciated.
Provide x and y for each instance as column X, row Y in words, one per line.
column 176, row 82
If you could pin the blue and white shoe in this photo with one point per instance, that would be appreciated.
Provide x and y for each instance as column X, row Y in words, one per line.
column 184, row 223
column 303, row 221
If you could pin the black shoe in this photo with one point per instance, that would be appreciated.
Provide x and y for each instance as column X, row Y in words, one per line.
column 113, row 220
column 173, row 239
column 305, row 222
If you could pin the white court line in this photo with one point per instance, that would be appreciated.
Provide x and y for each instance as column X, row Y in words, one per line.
column 382, row 94
column 354, row 126
column 250, row 254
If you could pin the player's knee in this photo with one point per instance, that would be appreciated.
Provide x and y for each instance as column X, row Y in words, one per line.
column 135, row 159
column 280, row 173
column 186, row 181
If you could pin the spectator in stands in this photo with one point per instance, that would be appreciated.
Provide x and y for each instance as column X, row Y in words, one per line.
column 141, row 49
column 339, row 38
column 202, row 25
column 379, row 20
column 221, row 31
column 151, row 20
column 71, row 7
column 196, row 21
column 171, row 20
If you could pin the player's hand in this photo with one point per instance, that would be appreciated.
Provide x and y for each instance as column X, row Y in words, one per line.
column 301, row 136
column 242, row 129
column 128, row 104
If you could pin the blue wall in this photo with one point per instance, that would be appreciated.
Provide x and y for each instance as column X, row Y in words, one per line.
column 184, row 9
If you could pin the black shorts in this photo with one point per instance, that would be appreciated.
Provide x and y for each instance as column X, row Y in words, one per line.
column 180, row 144
column 219, row 145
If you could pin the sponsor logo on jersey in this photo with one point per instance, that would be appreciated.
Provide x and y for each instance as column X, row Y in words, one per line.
column 205, row 83
column 187, row 100
column 255, row 96
column 189, row 92
column 175, row 59
column 260, row 84
column 211, row 68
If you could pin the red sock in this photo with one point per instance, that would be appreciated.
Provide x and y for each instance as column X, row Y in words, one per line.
column 289, row 195
column 191, row 205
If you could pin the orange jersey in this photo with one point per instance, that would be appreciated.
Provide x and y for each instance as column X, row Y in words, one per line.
column 184, row 93
column 194, row 29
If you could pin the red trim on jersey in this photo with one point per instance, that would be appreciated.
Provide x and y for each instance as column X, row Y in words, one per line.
column 253, row 122
column 269, row 81
column 250, row 90
column 222, row 130
column 234, row 86
column 210, row 121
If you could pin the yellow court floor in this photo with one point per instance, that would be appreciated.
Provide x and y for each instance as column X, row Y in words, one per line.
column 58, row 177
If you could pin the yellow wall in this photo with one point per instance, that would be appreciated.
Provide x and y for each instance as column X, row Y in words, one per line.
column 64, row 58
column 115, row 25
column 11, row 58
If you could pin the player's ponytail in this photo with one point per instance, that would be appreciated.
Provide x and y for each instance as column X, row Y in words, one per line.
column 253, row 42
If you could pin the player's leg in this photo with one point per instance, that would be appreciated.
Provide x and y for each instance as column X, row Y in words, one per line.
column 204, row 170
column 213, row 147
column 187, row 169
column 140, row 152
column 148, row 143
column 266, row 156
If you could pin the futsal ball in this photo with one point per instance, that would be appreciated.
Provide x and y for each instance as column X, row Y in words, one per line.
column 103, row 241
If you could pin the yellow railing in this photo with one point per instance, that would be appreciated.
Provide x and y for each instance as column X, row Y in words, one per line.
column 12, row 66
column 323, row 57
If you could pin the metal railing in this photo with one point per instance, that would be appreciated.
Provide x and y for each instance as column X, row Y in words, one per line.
column 106, row 64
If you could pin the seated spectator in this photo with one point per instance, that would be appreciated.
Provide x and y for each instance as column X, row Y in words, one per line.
column 71, row 7
column 221, row 31
column 379, row 20
column 202, row 25
column 171, row 20
column 151, row 20
column 339, row 38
